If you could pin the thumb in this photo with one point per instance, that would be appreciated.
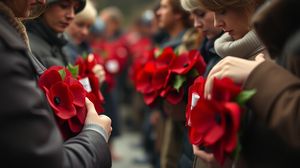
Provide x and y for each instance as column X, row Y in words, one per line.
column 260, row 58
column 89, row 105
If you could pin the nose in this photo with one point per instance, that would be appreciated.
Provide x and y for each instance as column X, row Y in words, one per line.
column 85, row 31
column 197, row 23
column 158, row 12
column 218, row 22
column 70, row 13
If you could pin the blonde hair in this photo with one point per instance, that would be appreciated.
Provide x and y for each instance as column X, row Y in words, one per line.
column 220, row 5
column 190, row 5
column 89, row 12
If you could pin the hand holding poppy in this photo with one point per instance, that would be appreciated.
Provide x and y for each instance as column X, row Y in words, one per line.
column 215, row 123
column 66, row 96
column 232, row 67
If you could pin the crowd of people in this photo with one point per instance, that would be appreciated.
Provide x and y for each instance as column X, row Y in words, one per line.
column 255, row 43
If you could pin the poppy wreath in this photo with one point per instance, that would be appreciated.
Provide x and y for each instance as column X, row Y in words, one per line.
column 214, row 124
column 66, row 96
column 164, row 74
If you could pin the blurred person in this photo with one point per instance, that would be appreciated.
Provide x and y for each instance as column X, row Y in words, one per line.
column 29, row 134
column 271, row 136
column 204, row 22
column 78, row 31
column 182, row 37
column 174, row 20
column 113, row 48
column 113, row 18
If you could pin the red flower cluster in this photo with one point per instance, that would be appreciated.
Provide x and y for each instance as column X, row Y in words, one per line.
column 215, row 123
column 66, row 96
column 164, row 73
column 88, row 79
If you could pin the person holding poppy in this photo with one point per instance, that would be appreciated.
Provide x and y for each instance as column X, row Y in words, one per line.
column 204, row 22
column 271, row 137
column 239, row 38
column 29, row 134
column 177, row 23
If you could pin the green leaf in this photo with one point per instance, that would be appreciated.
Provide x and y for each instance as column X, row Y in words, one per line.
column 179, row 80
column 62, row 73
column 73, row 69
column 244, row 96
column 85, row 55
column 176, row 51
column 193, row 73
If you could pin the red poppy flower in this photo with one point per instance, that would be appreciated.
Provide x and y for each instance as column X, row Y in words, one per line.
column 77, row 90
column 152, row 77
column 51, row 76
column 196, row 91
column 183, row 63
column 225, row 89
column 61, row 99
column 215, row 123
column 172, row 95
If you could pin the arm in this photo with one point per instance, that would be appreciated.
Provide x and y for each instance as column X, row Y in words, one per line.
column 29, row 135
column 276, row 100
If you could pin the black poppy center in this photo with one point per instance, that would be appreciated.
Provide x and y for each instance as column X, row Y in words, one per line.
column 56, row 100
column 218, row 119
column 186, row 65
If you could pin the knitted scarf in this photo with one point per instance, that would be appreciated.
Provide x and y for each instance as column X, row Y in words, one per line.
column 15, row 22
column 246, row 47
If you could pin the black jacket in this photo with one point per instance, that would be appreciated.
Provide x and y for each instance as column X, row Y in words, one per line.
column 29, row 136
column 45, row 44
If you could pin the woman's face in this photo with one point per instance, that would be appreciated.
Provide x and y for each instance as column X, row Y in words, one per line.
column 22, row 8
column 79, row 30
column 204, row 22
column 235, row 22
column 58, row 16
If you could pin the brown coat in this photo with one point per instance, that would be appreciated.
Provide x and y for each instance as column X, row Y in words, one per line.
column 273, row 138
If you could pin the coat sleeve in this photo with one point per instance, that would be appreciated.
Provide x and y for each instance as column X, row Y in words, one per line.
column 277, row 100
column 29, row 136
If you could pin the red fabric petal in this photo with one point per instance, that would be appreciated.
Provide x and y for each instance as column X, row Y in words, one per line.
column 50, row 77
column 78, row 92
column 65, row 108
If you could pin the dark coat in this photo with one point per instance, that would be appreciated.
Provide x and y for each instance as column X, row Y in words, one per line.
column 45, row 44
column 29, row 136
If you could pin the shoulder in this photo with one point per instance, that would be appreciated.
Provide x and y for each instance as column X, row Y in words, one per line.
column 9, row 35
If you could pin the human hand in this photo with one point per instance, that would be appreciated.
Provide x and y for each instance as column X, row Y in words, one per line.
column 99, row 72
column 204, row 156
column 93, row 117
column 232, row 67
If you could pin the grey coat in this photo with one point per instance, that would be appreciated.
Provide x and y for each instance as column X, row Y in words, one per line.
column 29, row 136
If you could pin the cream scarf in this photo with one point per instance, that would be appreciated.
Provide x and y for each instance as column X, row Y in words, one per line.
column 15, row 22
column 246, row 47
